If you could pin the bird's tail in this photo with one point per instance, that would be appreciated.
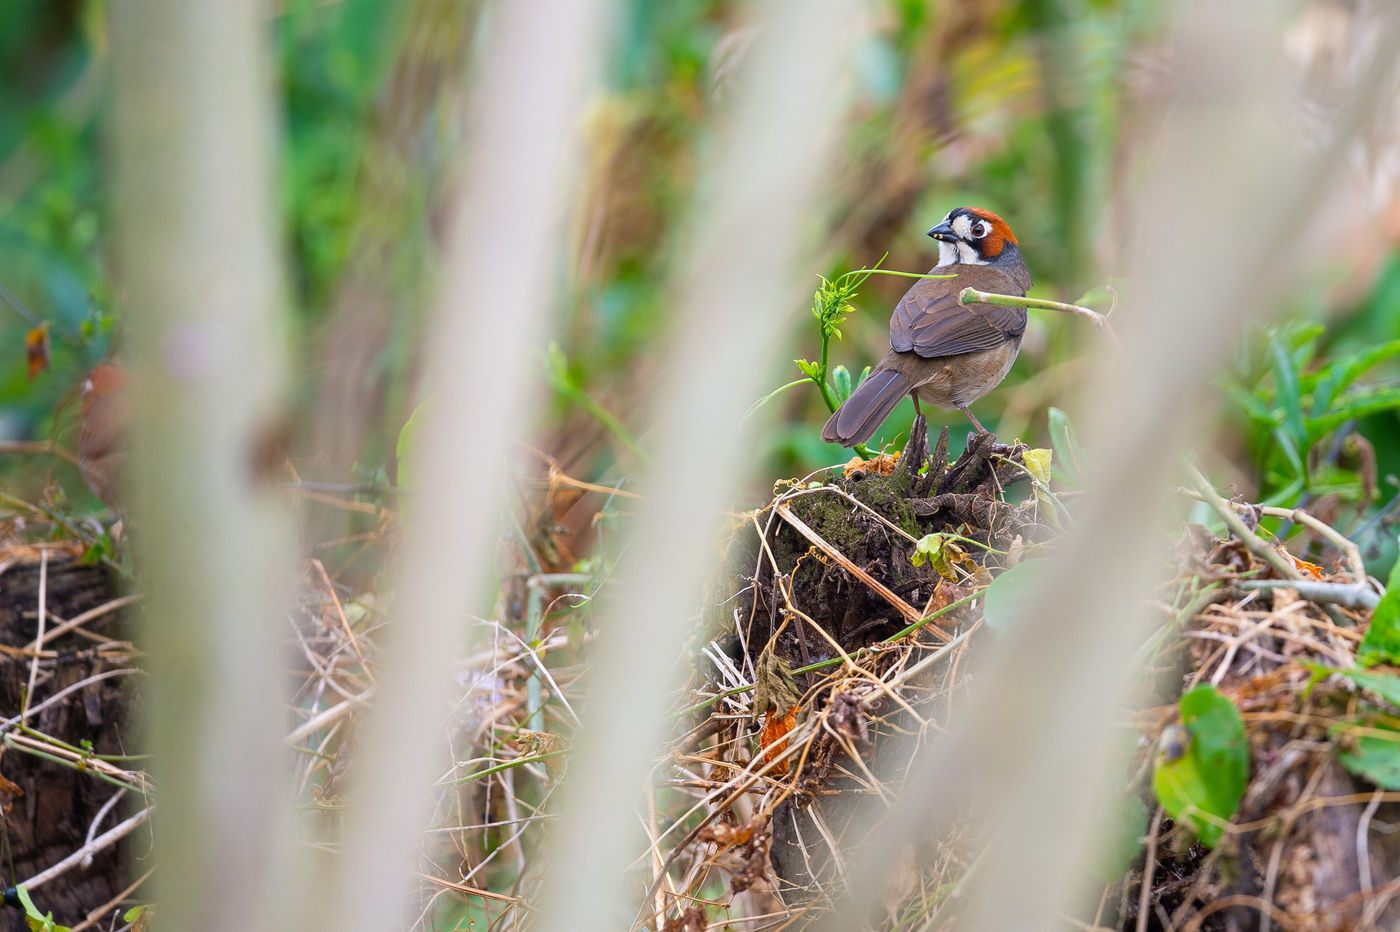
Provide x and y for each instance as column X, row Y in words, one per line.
column 862, row 414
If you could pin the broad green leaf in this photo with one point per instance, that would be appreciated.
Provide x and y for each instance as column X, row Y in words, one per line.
column 1010, row 593
column 1038, row 464
column 1382, row 641
column 1202, row 766
column 1373, row 755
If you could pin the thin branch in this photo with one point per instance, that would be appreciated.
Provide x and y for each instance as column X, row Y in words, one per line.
column 1100, row 321
column 38, row 635
column 1256, row 544
column 42, row 447
column 100, row 843
column 1347, row 595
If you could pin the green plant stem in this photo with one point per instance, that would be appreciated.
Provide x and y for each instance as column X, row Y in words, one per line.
column 508, row 765
column 1100, row 322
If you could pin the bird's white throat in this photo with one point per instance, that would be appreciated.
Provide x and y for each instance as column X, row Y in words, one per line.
column 955, row 252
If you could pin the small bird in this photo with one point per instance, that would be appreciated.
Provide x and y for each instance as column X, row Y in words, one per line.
column 943, row 352
column 102, row 436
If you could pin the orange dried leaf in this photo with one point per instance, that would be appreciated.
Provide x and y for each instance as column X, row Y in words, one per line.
column 36, row 349
column 724, row 834
column 1309, row 569
column 773, row 738
column 9, row 792
column 881, row 465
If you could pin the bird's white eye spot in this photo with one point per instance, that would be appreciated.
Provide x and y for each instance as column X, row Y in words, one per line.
column 981, row 228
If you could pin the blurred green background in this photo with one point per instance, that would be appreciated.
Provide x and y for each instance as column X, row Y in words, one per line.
column 1037, row 110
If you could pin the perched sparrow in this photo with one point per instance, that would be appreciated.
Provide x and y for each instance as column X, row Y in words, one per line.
column 940, row 351
column 102, row 437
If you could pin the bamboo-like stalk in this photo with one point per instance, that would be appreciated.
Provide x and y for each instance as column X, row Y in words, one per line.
column 1035, row 739
column 201, row 281
column 498, row 272
column 735, row 291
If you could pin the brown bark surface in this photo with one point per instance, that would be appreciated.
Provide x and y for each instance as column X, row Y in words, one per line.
column 52, row 817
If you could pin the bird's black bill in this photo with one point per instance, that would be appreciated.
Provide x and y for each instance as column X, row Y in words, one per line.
column 943, row 231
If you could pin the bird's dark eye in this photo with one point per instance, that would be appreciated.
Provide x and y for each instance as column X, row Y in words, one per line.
column 981, row 228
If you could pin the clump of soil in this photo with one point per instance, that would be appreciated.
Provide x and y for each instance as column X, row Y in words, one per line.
column 838, row 556
column 842, row 636
column 835, row 570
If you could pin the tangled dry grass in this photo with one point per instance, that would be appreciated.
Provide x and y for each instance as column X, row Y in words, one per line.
column 837, row 643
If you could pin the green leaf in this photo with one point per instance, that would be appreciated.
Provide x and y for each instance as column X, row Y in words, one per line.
column 938, row 550
column 1361, row 405
column 1038, row 464
column 1382, row 641
column 1256, row 408
column 1202, row 766
column 807, row 367
column 37, row 921
column 1372, row 752
column 1340, row 375
column 1010, row 593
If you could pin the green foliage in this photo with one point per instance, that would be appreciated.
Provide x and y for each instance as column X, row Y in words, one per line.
column 831, row 305
column 1202, row 766
column 37, row 921
column 1382, row 641
column 1371, row 751
column 1291, row 400
column 941, row 551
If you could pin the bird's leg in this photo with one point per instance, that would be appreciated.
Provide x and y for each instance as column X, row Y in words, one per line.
column 915, row 397
column 975, row 423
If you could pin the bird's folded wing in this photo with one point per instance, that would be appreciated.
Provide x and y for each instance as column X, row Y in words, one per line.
column 929, row 320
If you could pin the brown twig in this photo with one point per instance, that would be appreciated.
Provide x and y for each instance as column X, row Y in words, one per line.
column 1149, row 867
column 904, row 608
column 344, row 622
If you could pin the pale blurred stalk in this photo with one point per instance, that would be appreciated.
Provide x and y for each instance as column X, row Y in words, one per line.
column 199, row 277
column 742, row 278
column 498, row 281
